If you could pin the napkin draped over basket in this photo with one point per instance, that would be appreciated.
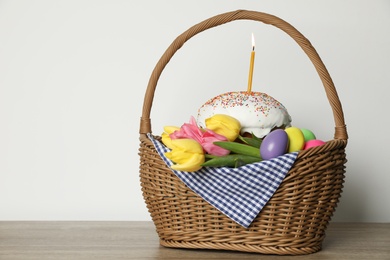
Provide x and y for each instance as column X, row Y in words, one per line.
column 295, row 218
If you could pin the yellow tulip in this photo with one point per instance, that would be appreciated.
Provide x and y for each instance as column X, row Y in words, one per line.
column 224, row 125
column 187, row 154
column 165, row 136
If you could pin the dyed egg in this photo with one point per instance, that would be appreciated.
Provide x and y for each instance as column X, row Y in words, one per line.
column 274, row 144
column 313, row 143
column 307, row 134
column 295, row 138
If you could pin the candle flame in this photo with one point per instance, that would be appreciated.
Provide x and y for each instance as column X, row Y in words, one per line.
column 253, row 42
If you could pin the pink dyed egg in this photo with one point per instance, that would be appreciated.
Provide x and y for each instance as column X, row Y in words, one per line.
column 313, row 143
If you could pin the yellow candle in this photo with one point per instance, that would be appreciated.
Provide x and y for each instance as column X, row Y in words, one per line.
column 251, row 65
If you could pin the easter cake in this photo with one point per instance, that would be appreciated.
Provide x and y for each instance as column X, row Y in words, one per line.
column 257, row 112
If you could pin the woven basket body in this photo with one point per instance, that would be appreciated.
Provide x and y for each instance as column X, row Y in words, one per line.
column 293, row 221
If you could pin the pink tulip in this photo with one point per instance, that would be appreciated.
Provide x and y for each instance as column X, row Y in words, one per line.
column 205, row 138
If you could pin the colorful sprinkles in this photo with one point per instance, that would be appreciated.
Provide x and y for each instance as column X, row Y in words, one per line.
column 234, row 99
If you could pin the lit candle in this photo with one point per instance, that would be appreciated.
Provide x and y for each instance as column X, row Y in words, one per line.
column 251, row 65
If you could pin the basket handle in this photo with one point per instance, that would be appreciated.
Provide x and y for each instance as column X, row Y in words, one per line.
column 340, row 127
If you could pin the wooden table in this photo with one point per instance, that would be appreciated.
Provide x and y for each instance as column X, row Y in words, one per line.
column 138, row 240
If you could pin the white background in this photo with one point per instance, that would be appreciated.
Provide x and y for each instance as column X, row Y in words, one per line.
column 73, row 76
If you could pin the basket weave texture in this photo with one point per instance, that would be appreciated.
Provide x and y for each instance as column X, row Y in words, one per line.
column 293, row 221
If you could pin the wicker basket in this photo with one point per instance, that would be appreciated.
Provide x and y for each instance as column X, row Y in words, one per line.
column 293, row 221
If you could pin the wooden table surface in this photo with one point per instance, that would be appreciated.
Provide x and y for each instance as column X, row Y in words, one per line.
column 139, row 240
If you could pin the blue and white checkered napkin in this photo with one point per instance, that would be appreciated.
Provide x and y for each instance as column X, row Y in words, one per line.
column 239, row 193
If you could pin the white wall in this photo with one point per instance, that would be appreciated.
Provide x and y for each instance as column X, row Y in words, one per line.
column 73, row 76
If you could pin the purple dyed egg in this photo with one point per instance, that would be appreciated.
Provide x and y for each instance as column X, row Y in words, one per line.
column 274, row 144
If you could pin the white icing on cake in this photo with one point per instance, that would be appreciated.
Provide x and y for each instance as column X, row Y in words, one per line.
column 257, row 112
